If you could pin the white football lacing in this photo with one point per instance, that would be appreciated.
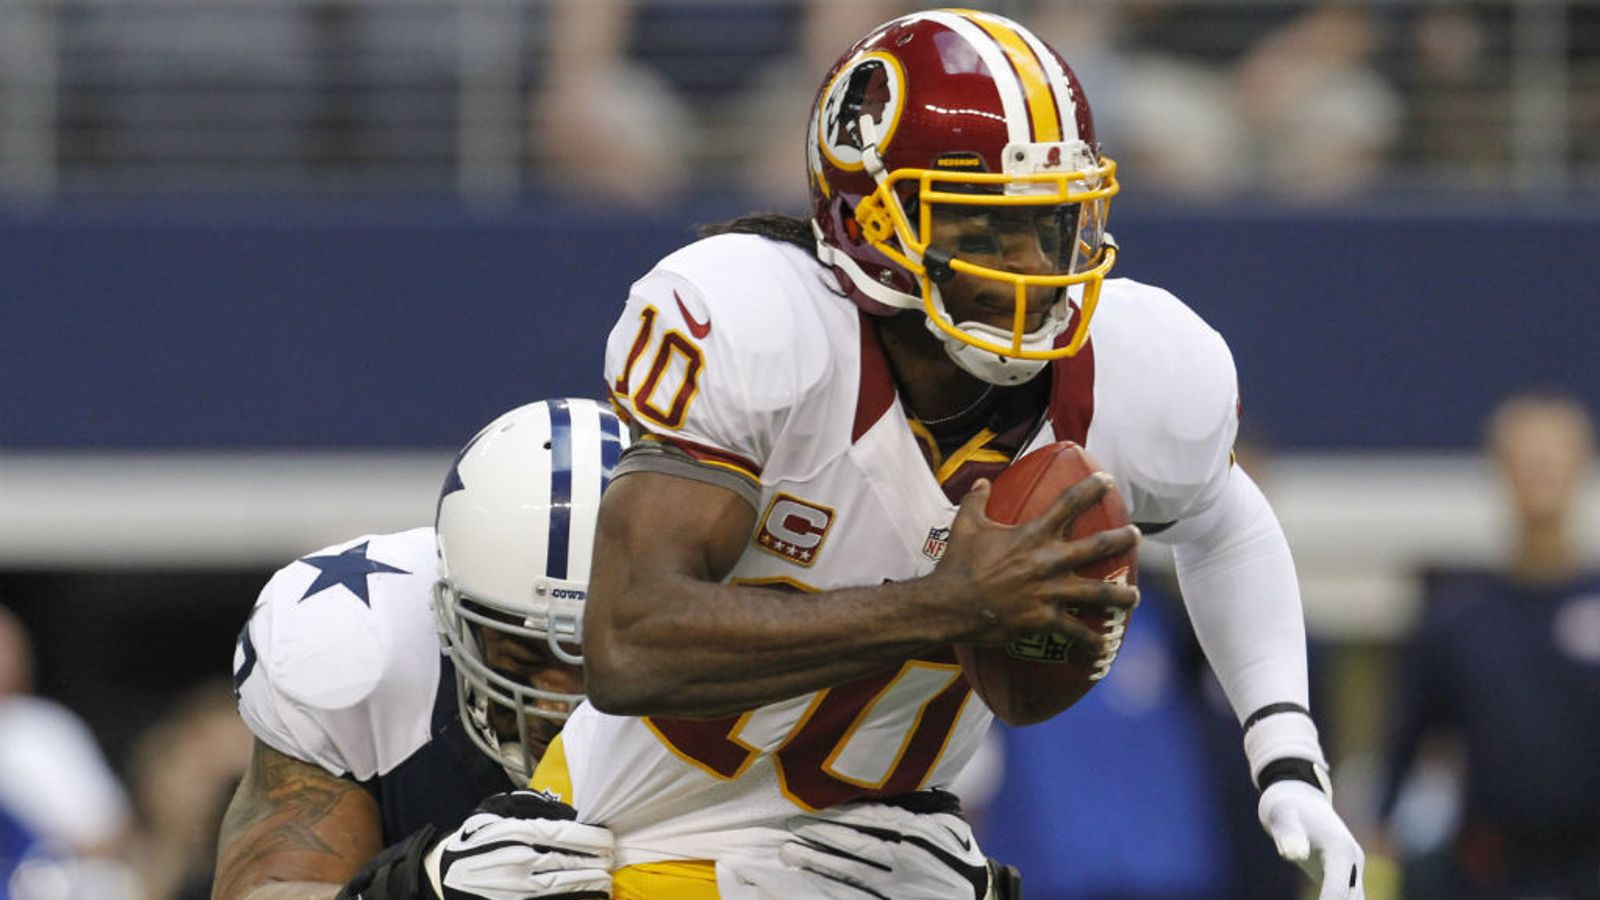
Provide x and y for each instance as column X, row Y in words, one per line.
column 1114, row 631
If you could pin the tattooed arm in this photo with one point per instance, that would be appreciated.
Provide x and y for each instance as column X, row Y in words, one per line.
column 293, row 832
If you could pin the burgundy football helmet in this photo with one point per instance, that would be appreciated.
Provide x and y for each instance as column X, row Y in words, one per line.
column 956, row 122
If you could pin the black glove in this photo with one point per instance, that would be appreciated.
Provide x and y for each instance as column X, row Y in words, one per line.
column 1005, row 882
column 396, row 873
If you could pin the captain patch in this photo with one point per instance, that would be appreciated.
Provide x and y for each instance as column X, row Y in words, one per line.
column 794, row 529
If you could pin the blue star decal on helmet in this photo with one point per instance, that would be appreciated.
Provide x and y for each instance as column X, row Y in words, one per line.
column 452, row 479
column 349, row 569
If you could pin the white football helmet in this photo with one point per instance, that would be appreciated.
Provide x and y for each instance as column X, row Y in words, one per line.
column 515, row 525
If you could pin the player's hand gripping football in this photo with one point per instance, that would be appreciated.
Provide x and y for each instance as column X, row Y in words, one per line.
column 515, row 846
column 915, row 847
column 1308, row 832
column 1021, row 579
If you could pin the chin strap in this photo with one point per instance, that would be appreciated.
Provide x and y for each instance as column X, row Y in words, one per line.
column 986, row 365
column 991, row 367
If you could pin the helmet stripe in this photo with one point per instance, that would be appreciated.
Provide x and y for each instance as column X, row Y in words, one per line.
column 597, row 440
column 613, row 438
column 994, row 59
column 560, row 489
column 1066, row 102
column 1035, row 85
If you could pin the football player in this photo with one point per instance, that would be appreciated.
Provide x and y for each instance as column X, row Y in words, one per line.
column 395, row 681
column 820, row 405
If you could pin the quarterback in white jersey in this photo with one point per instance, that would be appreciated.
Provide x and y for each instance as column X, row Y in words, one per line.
column 787, row 555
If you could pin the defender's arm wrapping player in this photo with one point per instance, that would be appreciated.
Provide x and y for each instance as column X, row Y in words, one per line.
column 814, row 400
column 396, row 683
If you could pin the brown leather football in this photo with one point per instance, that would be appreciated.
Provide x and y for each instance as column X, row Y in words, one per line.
column 1031, row 679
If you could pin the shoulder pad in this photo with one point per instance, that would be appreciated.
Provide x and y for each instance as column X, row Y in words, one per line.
column 743, row 295
column 722, row 340
column 1166, row 407
column 338, row 663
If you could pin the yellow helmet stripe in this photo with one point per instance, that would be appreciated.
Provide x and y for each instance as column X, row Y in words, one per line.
column 1055, row 71
column 1035, row 83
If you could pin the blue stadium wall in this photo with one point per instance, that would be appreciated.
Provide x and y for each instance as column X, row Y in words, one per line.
column 265, row 325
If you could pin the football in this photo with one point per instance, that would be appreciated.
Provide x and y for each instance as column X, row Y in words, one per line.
column 1031, row 679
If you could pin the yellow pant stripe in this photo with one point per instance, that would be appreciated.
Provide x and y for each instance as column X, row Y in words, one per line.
column 687, row 880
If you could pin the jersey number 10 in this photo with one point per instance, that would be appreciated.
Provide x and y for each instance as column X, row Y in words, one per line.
column 672, row 379
column 816, row 763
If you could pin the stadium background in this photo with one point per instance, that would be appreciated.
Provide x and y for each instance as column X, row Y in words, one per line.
column 266, row 264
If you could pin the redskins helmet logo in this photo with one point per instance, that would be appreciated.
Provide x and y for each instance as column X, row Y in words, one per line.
column 873, row 85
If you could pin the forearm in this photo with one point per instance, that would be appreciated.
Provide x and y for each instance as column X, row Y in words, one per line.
column 1239, row 586
column 293, row 831
column 711, row 649
column 665, row 635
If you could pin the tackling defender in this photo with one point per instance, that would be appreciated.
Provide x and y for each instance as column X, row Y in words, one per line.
column 395, row 681
column 365, row 738
column 790, row 550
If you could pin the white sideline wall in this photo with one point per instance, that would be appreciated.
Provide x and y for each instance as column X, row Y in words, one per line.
column 1360, row 524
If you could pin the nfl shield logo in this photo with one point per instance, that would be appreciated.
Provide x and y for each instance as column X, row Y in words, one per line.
column 938, row 539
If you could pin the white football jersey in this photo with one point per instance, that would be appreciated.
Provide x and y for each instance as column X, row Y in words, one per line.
column 339, row 664
column 740, row 352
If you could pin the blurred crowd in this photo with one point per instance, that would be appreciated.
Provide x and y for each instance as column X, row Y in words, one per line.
column 637, row 101
column 75, row 827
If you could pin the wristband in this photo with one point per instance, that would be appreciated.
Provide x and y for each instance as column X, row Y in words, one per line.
column 1280, row 731
column 1295, row 769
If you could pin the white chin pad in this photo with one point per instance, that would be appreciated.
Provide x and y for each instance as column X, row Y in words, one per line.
column 986, row 365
